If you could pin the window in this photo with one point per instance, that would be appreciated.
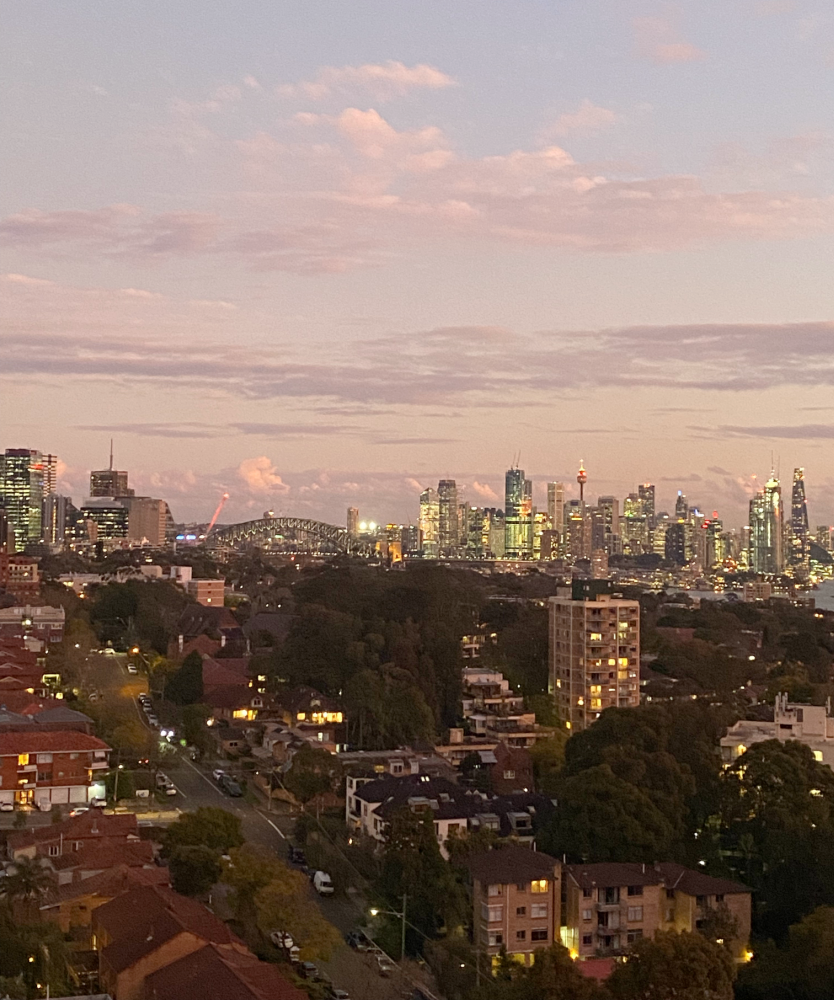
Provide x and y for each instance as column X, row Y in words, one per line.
column 509, row 775
column 610, row 895
column 587, row 939
column 44, row 758
column 635, row 890
column 23, row 760
column 634, row 935
column 635, row 914
column 538, row 910
column 521, row 886
column 719, row 898
column 539, row 935
column 587, row 893
column 494, row 890
column 817, row 755
column 44, row 776
column 496, row 913
column 700, row 900
column 521, row 911
column 670, row 893
column 521, row 935
column 495, row 938
column 587, row 914
column 73, row 756
column 539, row 885
column 54, row 850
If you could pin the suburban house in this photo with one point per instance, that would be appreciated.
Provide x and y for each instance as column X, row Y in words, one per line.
column 91, row 830
column 610, row 906
column 812, row 725
column 148, row 928
column 516, row 902
column 51, row 767
column 27, row 621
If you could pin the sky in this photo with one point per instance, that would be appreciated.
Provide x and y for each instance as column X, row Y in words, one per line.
column 320, row 254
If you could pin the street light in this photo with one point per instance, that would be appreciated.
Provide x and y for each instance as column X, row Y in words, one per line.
column 375, row 911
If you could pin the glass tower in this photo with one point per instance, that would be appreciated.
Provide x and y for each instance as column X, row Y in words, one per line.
column 21, row 488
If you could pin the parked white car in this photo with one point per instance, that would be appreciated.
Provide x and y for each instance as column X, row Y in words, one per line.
column 322, row 884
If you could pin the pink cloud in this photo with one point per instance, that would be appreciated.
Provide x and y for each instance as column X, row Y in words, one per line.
column 260, row 475
column 658, row 41
column 588, row 119
column 382, row 80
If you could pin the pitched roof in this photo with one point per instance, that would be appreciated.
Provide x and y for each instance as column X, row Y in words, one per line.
column 61, row 713
column 511, row 864
column 88, row 826
column 109, row 884
column 233, row 696
column 95, row 857
column 666, row 873
column 140, row 921
column 58, row 741
column 232, row 975
column 221, row 673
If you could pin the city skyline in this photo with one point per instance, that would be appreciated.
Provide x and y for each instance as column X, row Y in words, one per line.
column 345, row 254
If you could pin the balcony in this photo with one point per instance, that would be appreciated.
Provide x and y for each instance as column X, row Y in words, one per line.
column 98, row 765
column 26, row 768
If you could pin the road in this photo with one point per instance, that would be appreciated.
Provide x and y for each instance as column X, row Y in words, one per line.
column 349, row 970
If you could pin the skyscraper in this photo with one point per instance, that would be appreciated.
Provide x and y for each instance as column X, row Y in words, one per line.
column 609, row 513
column 50, row 475
column 449, row 517
column 429, row 523
column 799, row 534
column 109, row 482
column 556, row 506
column 518, row 515
column 681, row 508
column 353, row 521
column 766, row 529
column 21, row 489
column 646, row 495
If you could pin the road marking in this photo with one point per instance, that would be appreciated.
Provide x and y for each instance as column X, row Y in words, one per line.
column 274, row 827
column 208, row 781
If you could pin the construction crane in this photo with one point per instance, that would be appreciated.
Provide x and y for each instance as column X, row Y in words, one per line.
column 220, row 506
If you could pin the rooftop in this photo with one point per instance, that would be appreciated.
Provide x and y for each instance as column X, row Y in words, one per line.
column 511, row 865
column 233, row 976
column 667, row 873
column 44, row 742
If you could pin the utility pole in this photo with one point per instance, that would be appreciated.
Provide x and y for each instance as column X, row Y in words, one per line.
column 402, row 937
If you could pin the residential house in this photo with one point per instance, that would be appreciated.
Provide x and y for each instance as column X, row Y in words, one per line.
column 146, row 929
column 40, row 622
column 812, row 725
column 55, row 767
column 76, row 833
column 233, row 976
column 516, row 902
column 610, row 906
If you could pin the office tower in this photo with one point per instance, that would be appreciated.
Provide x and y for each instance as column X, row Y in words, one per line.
column 634, row 525
column 824, row 535
column 50, row 475
column 540, row 522
column 577, row 534
column 353, row 521
column 109, row 517
column 109, row 482
column 54, row 526
column 430, row 523
column 594, row 652
column 675, row 543
column 715, row 549
column 556, row 505
column 681, row 508
column 495, row 530
column 609, row 511
column 449, row 517
column 411, row 538
column 149, row 520
column 799, row 541
column 647, row 496
column 21, row 491
column 6, row 533
column 473, row 539
column 518, row 515
column 766, row 529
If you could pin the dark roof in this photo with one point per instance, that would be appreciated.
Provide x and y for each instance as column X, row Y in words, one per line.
column 96, row 857
column 232, row 975
column 511, row 864
column 87, row 826
column 142, row 920
column 60, row 741
column 61, row 714
column 108, row 884
column 667, row 873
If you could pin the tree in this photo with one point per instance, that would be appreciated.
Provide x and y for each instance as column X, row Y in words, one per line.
column 314, row 772
column 553, row 976
column 603, row 818
column 213, row 827
column 194, row 869
column 30, row 880
column 684, row 966
column 252, row 868
column 548, row 758
column 185, row 687
column 284, row 903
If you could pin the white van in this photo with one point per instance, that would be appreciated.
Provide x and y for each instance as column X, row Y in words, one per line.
column 322, row 884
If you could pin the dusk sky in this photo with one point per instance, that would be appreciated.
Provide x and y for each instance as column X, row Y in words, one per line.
column 323, row 253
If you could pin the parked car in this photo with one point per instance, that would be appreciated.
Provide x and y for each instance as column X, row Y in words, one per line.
column 6, row 807
column 338, row 995
column 131, row 668
column 356, row 939
column 153, row 721
column 308, row 970
column 230, row 786
column 384, row 965
column 164, row 784
column 217, row 773
column 98, row 803
column 79, row 810
column 323, row 884
column 296, row 856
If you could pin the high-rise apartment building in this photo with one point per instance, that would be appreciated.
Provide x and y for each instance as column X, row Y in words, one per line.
column 646, row 493
column 608, row 509
column 578, row 536
column 430, row 523
column 518, row 515
column 50, row 475
column 448, row 517
column 799, row 550
column 55, row 511
column 556, row 506
column 21, row 490
column 594, row 652
column 766, row 529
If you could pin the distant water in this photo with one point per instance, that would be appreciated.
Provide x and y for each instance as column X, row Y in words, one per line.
column 824, row 595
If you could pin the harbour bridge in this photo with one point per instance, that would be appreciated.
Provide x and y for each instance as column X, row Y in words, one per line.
column 277, row 531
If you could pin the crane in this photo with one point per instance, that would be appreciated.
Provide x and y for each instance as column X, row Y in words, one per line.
column 220, row 506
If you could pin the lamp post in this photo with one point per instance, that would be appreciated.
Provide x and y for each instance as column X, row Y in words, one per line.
column 393, row 913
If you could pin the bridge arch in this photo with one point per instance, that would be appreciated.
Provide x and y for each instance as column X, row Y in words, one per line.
column 269, row 529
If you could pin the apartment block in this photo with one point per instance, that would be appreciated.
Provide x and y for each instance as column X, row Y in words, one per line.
column 516, row 897
column 812, row 725
column 45, row 768
column 609, row 907
column 594, row 652
column 209, row 593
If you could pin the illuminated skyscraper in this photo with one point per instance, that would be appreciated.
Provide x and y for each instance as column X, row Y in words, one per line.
column 518, row 515
column 449, row 517
column 353, row 521
column 646, row 495
column 799, row 534
column 21, row 489
column 50, row 475
column 681, row 508
column 429, row 523
column 109, row 482
column 556, row 506
column 766, row 529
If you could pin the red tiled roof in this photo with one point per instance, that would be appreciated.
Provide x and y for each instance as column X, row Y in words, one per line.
column 142, row 920
column 667, row 873
column 596, row 968
column 233, row 976
column 95, row 857
column 43, row 742
column 91, row 825
column 221, row 673
column 109, row 884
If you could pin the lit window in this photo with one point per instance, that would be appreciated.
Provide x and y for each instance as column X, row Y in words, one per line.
column 539, row 885
column 817, row 755
column 23, row 760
